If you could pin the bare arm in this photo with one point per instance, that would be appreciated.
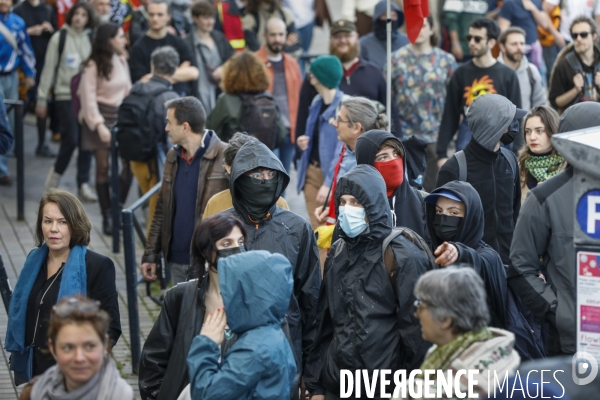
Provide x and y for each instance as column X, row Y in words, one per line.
column 185, row 73
column 503, row 24
column 567, row 97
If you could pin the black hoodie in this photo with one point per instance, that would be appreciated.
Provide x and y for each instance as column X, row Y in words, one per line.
column 473, row 251
column 362, row 322
column 406, row 202
column 285, row 233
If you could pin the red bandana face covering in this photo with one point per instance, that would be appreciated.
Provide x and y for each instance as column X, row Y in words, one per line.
column 392, row 172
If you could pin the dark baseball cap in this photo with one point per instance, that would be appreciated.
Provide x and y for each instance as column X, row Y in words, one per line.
column 342, row 25
column 519, row 113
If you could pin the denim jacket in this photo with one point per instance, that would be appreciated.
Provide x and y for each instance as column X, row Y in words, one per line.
column 329, row 145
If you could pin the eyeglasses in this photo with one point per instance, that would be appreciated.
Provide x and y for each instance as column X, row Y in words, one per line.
column 340, row 121
column 64, row 309
column 259, row 177
column 419, row 304
column 476, row 38
column 583, row 35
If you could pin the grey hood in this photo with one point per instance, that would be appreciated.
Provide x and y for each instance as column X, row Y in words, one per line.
column 488, row 117
column 580, row 116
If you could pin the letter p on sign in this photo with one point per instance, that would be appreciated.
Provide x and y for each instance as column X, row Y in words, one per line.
column 588, row 213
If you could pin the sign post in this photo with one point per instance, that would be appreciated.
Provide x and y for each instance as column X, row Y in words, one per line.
column 581, row 149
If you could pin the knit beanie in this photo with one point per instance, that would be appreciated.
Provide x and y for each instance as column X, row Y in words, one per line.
column 328, row 71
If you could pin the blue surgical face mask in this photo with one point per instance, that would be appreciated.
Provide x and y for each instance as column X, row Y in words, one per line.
column 352, row 220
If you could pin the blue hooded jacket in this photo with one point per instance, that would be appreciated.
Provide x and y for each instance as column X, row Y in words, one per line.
column 256, row 287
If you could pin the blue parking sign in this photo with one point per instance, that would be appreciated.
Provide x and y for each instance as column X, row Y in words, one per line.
column 588, row 213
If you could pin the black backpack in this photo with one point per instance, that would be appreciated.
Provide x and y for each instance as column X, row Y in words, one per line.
column 260, row 118
column 136, row 131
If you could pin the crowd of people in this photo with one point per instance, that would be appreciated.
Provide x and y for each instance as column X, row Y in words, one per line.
column 432, row 239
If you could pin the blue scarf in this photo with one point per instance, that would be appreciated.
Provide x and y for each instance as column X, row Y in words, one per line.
column 73, row 282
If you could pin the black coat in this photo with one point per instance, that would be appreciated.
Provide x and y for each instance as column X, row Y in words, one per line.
column 406, row 202
column 499, row 188
column 163, row 365
column 286, row 233
column 473, row 251
column 363, row 322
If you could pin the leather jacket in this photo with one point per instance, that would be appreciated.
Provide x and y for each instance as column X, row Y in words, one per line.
column 212, row 180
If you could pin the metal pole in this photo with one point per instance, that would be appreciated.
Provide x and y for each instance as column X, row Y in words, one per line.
column 114, row 179
column 5, row 290
column 131, row 277
column 388, row 80
column 18, row 109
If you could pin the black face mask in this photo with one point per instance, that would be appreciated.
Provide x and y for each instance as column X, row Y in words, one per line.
column 446, row 226
column 379, row 29
column 513, row 130
column 257, row 198
column 228, row 252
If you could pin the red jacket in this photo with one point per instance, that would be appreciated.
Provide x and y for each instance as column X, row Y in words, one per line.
column 293, row 80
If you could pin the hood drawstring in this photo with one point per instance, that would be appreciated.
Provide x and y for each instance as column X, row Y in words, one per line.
column 256, row 223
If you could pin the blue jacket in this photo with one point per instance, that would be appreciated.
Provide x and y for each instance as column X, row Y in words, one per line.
column 329, row 145
column 256, row 287
column 24, row 58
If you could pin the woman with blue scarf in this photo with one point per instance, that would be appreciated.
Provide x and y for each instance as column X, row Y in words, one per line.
column 60, row 266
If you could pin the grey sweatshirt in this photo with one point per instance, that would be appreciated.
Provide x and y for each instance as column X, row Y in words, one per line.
column 77, row 49
column 531, row 96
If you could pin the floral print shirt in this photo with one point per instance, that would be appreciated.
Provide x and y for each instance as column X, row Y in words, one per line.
column 419, row 85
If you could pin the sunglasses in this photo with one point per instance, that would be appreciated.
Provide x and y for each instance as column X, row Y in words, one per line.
column 583, row 35
column 65, row 309
column 476, row 38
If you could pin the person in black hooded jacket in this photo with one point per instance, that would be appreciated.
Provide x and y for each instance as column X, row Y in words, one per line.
column 492, row 171
column 363, row 320
column 386, row 153
column 257, row 180
column 455, row 223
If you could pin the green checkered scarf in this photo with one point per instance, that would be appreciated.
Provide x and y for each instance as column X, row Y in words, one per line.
column 544, row 167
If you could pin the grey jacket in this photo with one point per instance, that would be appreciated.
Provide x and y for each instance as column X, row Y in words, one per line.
column 544, row 237
column 531, row 95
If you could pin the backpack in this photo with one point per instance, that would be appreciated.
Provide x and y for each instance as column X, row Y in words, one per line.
column 388, row 254
column 260, row 118
column 136, row 131
column 462, row 163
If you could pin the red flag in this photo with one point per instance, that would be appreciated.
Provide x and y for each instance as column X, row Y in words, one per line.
column 414, row 13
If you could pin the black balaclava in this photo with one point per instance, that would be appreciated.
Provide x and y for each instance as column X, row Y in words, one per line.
column 379, row 26
column 257, row 198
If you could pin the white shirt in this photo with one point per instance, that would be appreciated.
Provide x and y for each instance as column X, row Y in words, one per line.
column 302, row 10
column 572, row 9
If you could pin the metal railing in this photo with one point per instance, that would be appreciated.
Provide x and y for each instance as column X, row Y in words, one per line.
column 131, row 226
column 18, row 108
column 5, row 289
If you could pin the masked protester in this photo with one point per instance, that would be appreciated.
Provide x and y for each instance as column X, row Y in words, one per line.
column 385, row 152
column 492, row 171
column 257, row 180
column 163, row 366
column 373, row 45
column 365, row 318
column 455, row 223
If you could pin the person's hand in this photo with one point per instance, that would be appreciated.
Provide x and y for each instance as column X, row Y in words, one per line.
column 292, row 39
column 104, row 133
column 322, row 194
column 321, row 214
column 41, row 112
column 578, row 82
column 528, row 5
column 35, row 30
column 146, row 78
column 441, row 162
column 559, row 40
column 457, row 51
column 218, row 73
column 447, row 254
column 149, row 271
column 597, row 79
column 542, row 277
column 29, row 82
column 302, row 142
column 172, row 31
column 47, row 27
column 318, row 397
column 214, row 327
column 304, row 395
